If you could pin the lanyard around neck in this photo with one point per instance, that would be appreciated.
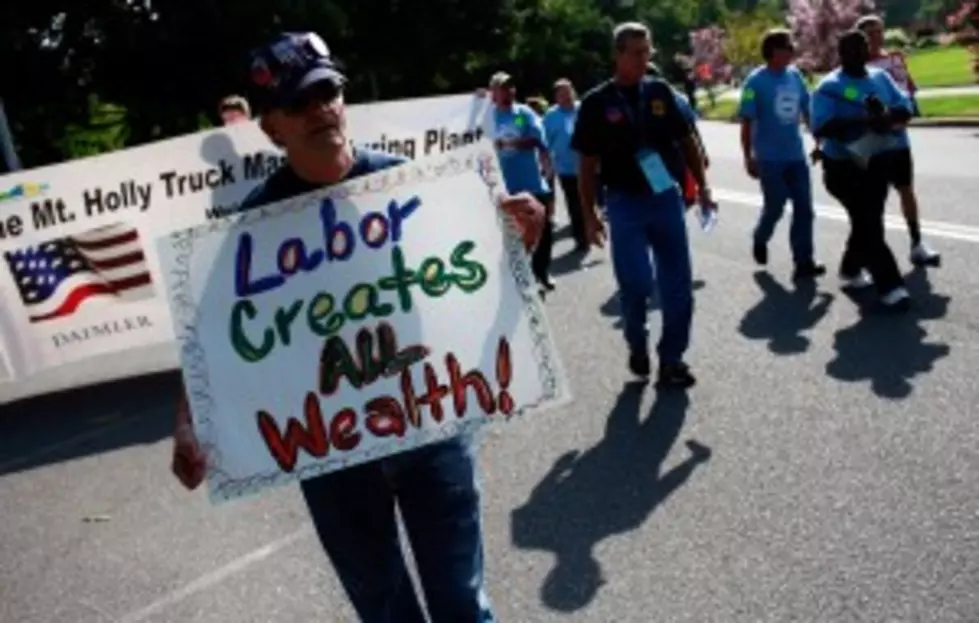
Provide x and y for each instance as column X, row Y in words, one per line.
column 634, row 114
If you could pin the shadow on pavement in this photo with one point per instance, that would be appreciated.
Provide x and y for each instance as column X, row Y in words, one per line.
column 890, row 350
column 613, row 309
column 610, row 489
column 82, row 422
column 573, row 260
column 782, row 315
column 562, row 231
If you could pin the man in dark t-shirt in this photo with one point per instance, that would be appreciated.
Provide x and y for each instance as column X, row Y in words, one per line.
column 631, row 127
column 298, row 92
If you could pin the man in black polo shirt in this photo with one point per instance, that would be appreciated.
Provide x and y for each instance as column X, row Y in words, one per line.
column 631, row 127
column 298, row 94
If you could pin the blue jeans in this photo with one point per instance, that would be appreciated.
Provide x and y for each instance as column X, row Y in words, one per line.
column 638, row 222
column 781, row 182
column 435, row 488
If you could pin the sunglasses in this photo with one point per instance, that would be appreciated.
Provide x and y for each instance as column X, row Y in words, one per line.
column 323, row 92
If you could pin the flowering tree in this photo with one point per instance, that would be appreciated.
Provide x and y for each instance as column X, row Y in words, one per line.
column 707, row 48
column 731, row 50
column 966, row 17
column 817, row 26
column 966, row 22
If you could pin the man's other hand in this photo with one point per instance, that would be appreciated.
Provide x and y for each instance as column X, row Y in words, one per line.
column 706, row 198
column 528, row 215
column 594, row 229
column 189, row 463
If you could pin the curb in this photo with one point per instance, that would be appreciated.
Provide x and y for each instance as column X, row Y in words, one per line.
column 946, row 122
column 935, row 122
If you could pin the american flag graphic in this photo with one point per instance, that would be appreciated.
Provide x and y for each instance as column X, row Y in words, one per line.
column 54, row 278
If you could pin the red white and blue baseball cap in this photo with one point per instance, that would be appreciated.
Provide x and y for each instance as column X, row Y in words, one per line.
column 282, row 70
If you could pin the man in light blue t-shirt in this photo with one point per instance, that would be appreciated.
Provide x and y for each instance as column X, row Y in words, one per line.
column 774, row 101
column 559, row 123
column 524, row 161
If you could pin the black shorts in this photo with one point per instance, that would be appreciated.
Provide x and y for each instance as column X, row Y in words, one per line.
column 900, row 168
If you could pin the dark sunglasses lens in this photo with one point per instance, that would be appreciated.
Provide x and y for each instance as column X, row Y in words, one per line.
column 319, row 93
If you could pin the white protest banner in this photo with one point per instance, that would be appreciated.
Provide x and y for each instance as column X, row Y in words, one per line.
column 75, row 236
column 11, row 357
column 356, row 322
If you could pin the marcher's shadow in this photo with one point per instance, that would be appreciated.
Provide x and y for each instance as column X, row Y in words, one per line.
column 564, row 231
column 573, row 260
column 781, row 316
column 218, row 149
column 610, row 489
column 612, row 307
column 890, row 350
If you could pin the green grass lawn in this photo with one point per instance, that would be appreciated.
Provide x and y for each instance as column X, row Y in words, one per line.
column 941, row 67
column 723, row 111
column 931, row 107
column 953, row 106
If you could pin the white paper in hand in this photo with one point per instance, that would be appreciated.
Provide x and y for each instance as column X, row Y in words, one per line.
column 708, row 217
column 869, row 145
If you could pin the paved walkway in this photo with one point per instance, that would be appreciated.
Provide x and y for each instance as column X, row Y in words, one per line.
column 732, row 94
column 842, row 485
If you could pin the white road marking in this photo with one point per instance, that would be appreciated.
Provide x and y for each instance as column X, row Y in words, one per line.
column 933, row 228
column 214, row 577
column 952, row 231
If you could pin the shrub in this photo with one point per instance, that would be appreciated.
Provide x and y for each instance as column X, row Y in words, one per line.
column 896, row 38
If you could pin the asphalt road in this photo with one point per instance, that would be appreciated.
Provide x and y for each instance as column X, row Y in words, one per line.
column 843, row 483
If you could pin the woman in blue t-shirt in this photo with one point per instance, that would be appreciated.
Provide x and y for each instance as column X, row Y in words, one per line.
column 859, row 115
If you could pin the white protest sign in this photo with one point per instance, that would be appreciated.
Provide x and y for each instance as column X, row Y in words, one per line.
column 360, row 321
column 75, row 238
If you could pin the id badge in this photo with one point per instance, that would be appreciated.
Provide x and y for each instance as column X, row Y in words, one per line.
column 657, row 175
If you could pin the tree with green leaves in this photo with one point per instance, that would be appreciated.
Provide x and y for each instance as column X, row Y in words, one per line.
column 743, row 33
column 164, row 62
column 104, row 74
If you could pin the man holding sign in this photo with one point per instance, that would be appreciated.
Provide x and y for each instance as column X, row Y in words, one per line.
column 298, row 92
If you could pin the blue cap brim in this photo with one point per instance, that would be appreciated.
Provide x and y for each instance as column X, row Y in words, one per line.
column 321, row 74
column 284, row 95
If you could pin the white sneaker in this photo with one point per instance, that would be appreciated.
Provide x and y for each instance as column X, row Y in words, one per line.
column 861, row 281
column 896, row 298
column 923, row 255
